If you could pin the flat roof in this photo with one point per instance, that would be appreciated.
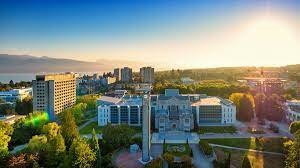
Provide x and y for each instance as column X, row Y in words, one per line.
column 209, row 101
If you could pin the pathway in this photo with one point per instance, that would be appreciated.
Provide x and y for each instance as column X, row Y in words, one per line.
column 199, row 159
column 244, row 149
column 87, row 123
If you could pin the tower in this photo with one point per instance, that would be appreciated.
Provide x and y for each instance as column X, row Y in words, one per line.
column 146, row 128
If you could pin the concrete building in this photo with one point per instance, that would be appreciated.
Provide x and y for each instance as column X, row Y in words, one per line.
column 53, row 93
column 146, row 129
column 13, row 95
column 107, row 80
column 117, row 74
column 127, row 110
column 147, row 74
column 293, row 110
column 126, row 74
column 171, row 111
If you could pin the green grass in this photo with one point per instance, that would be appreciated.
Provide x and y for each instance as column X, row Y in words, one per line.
column 264, row 144
column 178, row 154
column 216, row 129
column 89, row 128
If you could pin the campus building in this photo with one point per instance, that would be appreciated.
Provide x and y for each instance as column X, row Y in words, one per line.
column 13, row 95
column 53, row 93
column 117, row 74
column 169, row 111
column 293, row 110
column 147, row 74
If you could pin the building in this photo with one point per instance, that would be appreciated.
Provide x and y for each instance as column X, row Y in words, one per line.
column 11, row 119
column 117, row 74
column 293, row 110
column 53, row 93
column 107, row 80
column 187, row 80
column 15, row 94
column 127, row 110
column 171, row 111
column 147, row 74
column 126, row 74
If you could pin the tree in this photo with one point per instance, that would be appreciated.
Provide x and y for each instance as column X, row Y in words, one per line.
column 117, row 135
column 274, row 108
column 294, row 127
column 156, row 163
column 55, row 151
column 37, row 143
column 68, row 128
column 293, row 147
column 5, row 133
column 95, row 147
column 82, row 156
column 23, row 160
column 51, row 130
column 186, row 161
column 260, row 105
column 246, row 162
column 169, row 158
column 6, row 109
column 244, row 105
column 78, row 111
column 25, row 106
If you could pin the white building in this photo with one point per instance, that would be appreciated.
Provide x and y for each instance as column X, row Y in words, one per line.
column 15, row 94
column 293, row 110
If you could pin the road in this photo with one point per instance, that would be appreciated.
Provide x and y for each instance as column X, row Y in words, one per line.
column 244, row 149
column 199, row 159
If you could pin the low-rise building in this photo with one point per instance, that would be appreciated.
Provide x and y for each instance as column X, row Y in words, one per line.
column 15, row 94
column 293, row 110
column 169, row 111
column 11, row 119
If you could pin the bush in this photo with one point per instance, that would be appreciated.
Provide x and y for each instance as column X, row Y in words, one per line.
column 156, row 163
column 294, row 127
column 169, row 158
column 206, row 148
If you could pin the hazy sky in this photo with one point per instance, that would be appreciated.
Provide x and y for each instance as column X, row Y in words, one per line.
column 181, row 34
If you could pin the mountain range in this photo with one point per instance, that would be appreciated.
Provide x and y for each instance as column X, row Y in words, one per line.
column 33, row 64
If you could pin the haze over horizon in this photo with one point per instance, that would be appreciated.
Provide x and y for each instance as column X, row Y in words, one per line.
column 175, row 34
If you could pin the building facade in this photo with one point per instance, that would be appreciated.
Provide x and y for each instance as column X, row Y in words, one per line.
column 170, row 111
column 293, row 110
column 117, row 74
column 53, row 93
column 13, row 95
column 126, row 74
column 147, row 74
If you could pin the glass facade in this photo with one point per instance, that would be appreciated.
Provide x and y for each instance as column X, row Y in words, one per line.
column 210, row 114
column 114, row 114
column 124, row 114
column 134, row 114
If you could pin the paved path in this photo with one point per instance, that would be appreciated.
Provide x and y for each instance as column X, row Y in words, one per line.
column 18, row 148
column 88, row 122
column 248, row 135
column 199, row 159
column 251, row 150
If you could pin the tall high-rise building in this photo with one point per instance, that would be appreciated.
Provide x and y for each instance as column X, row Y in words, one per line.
column 53, row 93
column 147, row 74
column 126, row 74
column 117, row 74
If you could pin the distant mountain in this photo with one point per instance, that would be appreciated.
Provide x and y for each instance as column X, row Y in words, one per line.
column 32, row 64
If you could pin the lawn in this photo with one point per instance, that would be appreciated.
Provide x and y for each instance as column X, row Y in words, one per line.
column 216, row 129
column 264, row 144
column 89, row 128
column 257, row 160
column 186, row 151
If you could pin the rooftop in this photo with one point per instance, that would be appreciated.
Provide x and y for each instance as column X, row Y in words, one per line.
column 113, row 100
column 209, row 101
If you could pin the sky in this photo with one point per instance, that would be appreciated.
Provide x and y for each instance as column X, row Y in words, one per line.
column 166, row 33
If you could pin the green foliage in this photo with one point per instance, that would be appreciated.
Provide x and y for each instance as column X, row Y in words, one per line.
column 82, row 156
column 89, row 100
column 244, row 104
column 294, row 127
column 206, row 148
column 88, row 129
column 23, row 160
column 5, row 133
column 293, row 147
column 246, row 162
column 211, row 88
column 274, row 108
column 96, row 148
column 186, row 161
column 117, row 135
column 156, row 163
column 24, row 107
column 168, row 157
column 37, row 143
column 217, row 129
column 6, row 109
column 68, row 127
column 50, row 130
column 55, row 151
column 260, row 100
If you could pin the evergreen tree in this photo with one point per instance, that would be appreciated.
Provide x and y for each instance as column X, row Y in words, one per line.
column 95, row 147
column 246, row 162
column 68, row 128
column 82, row 156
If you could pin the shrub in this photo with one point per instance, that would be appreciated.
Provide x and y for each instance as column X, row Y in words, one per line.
column 156, row 163
column 169, row 158
column 294, row 127
column 206, row 148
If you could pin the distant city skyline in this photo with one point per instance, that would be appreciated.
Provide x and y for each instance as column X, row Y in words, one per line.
column 177, row 34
